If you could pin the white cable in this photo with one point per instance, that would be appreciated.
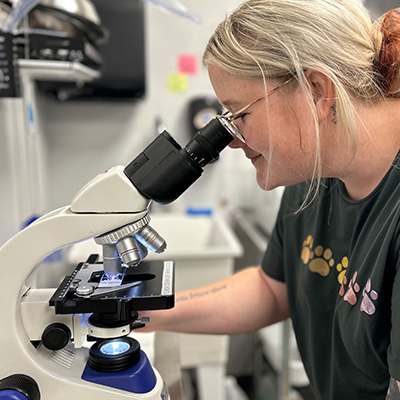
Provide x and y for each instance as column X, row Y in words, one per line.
column 18, row 13
column 177, row 8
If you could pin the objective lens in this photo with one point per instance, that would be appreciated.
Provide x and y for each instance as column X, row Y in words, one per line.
column 129, row 251
column 151, row 239
column 114, row 348
column 112, row 261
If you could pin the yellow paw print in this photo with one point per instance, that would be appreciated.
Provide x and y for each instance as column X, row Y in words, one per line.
column 342, row 268
column 307, row 253
column 322, row 262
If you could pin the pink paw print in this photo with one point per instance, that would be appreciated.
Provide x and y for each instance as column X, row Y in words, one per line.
column 353, row 288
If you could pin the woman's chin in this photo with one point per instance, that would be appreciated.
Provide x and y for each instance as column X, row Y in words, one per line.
column 266, row 183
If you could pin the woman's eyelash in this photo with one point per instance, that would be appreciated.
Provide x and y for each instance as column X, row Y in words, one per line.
column 241, row 116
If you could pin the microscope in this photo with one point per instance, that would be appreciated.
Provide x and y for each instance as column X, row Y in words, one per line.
column 45, row 331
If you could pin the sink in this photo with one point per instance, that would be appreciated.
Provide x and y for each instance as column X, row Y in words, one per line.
column 195, row 237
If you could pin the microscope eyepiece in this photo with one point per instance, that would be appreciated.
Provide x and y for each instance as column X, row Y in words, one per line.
column 164, row 170
column 208, row 143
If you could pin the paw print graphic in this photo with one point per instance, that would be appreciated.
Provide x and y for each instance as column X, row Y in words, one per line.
column 307, row 253
column 342, row 269
column 352, row 289
column 368, row 298
column 322, row 261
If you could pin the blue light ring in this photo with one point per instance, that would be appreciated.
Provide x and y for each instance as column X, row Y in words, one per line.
column 102, row 362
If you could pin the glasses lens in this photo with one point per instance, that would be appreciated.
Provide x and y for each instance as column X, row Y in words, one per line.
column 230, row 127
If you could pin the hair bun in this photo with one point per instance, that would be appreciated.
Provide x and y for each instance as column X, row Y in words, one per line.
column 387, row 30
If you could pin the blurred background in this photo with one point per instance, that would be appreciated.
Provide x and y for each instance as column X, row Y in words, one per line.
column 142, row 73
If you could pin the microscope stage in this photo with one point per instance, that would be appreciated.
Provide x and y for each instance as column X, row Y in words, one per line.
column 148, row 286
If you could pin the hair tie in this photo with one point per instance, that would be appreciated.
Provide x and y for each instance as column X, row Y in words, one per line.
column 389, row 55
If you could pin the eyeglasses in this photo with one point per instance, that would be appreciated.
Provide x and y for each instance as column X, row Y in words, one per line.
column 227, row 118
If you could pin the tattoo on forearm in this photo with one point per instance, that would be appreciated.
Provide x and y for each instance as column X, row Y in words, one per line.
column 394, row 390
column 197, row 294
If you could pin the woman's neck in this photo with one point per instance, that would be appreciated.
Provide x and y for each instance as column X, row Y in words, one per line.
column 378, row 145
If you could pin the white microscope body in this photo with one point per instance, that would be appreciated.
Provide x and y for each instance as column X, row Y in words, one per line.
column 43, row 330
column 25, row 310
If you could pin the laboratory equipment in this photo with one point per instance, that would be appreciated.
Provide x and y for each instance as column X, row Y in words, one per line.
column 51, row 41
column 57, row 31
column 123, row 70
column 45, row 331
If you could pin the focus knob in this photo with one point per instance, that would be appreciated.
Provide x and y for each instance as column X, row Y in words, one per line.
column 56, row 336
column 19, row 386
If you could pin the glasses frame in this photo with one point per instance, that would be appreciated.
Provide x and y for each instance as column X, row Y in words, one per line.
column 228, row 117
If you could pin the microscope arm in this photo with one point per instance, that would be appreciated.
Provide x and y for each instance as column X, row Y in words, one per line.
column 23, row 253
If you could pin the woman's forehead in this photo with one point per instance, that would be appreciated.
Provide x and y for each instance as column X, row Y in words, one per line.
column 231, row 89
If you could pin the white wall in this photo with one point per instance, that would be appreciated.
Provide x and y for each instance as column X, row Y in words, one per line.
column 83, row 139
column 379, row 7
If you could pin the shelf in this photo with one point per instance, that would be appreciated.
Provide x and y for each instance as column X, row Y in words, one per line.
column 57, row 70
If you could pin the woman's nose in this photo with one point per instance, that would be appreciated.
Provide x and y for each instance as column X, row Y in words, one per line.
column 237, row 144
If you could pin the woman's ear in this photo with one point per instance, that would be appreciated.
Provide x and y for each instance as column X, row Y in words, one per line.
column 322, row 92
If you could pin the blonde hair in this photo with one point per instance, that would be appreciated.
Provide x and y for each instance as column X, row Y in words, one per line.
column 275, row 39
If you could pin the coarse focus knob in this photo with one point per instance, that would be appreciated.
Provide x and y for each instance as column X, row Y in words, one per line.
column 19, row 386
column 56, row 336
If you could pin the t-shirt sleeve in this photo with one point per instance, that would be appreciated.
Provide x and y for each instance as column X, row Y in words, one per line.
column 394, row 347
column 272, row 262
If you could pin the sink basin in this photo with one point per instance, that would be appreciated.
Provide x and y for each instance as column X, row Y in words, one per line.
column 196, row 237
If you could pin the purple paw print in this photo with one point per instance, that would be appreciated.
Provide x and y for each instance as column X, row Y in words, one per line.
column 369, row 296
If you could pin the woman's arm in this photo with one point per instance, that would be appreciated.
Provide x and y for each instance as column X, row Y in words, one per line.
column 394, row 390
column 243, row 302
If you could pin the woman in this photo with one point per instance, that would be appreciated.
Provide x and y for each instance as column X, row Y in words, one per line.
column 313, row 87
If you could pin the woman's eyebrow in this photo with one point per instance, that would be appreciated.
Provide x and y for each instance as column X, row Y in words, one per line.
column 230, row 104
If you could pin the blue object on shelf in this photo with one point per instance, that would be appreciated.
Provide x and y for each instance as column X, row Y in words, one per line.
column 199, row 211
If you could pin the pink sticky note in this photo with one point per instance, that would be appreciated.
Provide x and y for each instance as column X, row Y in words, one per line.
column 187, row 64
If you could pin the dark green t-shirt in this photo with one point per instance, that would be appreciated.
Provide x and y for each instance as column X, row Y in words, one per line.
column 340, row 261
